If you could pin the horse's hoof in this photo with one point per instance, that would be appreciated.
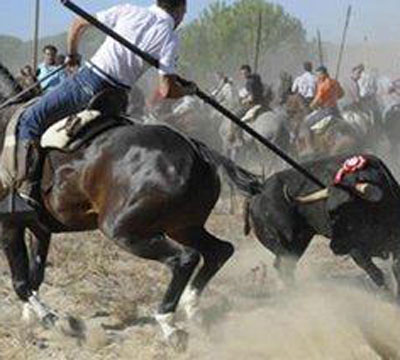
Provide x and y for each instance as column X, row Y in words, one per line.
column 29, row 316
column 71, row 326
column 179, row 340
column 49, row 320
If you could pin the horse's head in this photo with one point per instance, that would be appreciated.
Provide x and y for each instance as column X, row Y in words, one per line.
column 296, row 110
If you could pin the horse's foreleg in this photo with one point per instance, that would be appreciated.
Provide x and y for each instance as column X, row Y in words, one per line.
column 215, row 253
column 17, row 256
column 38, row 251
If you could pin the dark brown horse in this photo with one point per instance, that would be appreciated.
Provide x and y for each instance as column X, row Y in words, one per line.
column 147, row 188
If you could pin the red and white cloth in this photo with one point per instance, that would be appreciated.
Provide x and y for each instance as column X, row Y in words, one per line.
column 350, row 166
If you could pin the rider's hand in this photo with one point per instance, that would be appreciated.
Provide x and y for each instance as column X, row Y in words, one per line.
column 73, row 60
column 190, row 88
column 231, row 136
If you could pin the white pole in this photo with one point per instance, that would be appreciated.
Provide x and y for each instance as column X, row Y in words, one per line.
column 36, row 35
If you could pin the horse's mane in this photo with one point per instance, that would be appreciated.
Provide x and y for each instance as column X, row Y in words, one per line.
column 8, row 85
column 8, row 88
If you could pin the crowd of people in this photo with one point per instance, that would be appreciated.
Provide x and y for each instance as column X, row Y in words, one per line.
column 323, row 97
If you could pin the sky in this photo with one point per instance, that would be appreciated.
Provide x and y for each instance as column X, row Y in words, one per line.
column 374, row 20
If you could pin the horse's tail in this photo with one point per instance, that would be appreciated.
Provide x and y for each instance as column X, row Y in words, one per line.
column 8, row 85
column 247, row 183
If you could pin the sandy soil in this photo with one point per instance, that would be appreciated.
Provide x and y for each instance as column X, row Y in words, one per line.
column 332, row 313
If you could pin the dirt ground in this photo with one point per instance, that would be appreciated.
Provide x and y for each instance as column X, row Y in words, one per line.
column 333, row 312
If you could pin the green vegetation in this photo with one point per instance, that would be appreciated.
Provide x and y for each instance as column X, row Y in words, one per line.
column 224, row 37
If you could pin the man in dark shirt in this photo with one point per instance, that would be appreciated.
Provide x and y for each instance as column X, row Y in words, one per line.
column 253, row 86
column 251, row 95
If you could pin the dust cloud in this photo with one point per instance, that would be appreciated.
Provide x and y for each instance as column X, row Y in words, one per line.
column 330, row 313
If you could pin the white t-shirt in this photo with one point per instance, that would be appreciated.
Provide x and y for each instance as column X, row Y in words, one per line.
column 305, row 85
column 150, row 29
column 367, row 85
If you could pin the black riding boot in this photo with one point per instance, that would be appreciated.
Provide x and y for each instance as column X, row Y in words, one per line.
column 23, row 203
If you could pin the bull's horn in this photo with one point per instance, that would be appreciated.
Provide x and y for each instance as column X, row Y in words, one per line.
column 313, row 197
column 369, row 192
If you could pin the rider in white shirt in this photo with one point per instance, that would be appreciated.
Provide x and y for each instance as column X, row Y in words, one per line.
column 306, row 84
column 112, row 67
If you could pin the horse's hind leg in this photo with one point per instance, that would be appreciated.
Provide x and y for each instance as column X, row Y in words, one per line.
column 182, row 262
column 289, row 254
column 215, row 253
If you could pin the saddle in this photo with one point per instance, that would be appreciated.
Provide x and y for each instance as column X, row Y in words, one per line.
column 252, row 114
column 102, row 113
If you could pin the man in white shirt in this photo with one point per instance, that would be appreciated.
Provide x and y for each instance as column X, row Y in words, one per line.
column 364, row 92
column 306, row 84
column 112, row 67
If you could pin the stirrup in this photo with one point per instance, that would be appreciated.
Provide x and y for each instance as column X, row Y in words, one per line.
column 15, row 207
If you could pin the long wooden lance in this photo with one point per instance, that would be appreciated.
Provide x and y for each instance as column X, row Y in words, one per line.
column 320, row 50
column 258, row 42
column 203, row 96
column 346, row 26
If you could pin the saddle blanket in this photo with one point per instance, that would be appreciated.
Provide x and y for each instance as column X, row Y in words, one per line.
column 59, row 135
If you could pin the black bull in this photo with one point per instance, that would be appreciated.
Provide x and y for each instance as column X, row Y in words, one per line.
column 357, row 225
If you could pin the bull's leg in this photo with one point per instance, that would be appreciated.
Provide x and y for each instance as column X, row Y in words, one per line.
column 290, row 254
column 215, row 253
column 365, row 262
column 396, row 272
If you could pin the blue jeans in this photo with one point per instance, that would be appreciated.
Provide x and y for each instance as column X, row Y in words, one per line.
column 68, row 98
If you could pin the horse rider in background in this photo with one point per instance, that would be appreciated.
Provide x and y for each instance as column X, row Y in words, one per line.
column 226, row 94
column 363, row 92
column 252, row 94
column 285, row 87
column 306, row 84
column 324, row 106
column 328, row 93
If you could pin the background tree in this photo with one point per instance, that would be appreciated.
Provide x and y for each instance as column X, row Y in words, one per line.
column 224, row 37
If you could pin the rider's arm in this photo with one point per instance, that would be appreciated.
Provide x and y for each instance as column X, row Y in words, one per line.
column 78, row 27
column 295, row 86
column 169, row 88
column 317, row 99
column 340, row 91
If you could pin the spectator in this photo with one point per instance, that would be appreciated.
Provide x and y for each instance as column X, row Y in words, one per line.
column 48, row 66
column 27, row 78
